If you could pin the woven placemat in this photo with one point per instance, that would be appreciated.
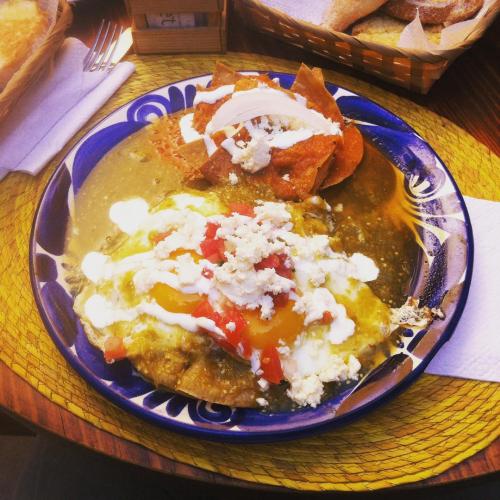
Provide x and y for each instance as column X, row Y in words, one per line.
column 437, row 423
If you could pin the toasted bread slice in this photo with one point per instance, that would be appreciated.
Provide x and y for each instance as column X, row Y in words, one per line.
column 22, row 26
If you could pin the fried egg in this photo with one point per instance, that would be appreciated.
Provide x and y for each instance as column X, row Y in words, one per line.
column 221, row 301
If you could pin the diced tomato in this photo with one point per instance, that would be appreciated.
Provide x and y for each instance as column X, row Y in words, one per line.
column 280, row 299
column 155, row 237
column 212, row 247
column 278, row 262
column 207, row 273
column 114, row 349
column 242, row 209
column 205, row 310
column 272, row 262
column 213, row 250
column 234, row 336
column 286, row 272
column 327, row 318
column 211, row 230
column 271, row 365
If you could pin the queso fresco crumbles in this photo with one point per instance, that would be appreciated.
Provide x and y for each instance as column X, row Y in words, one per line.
column 238, row 256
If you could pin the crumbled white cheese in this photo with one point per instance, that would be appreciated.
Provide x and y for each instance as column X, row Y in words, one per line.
column 231, row 326
column 286, row 177
column 270, row 132
column 255, row 362
column 262, row 402
column 253, row 156
column 314, row 303
column 310, row 364
column 263, row 384
column 233, row 179
column 187, row 231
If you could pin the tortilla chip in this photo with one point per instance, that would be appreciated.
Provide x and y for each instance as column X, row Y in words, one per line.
column 348, row 157
column 165, row 135
column 219, row 378
column 224, row 75
column 306, row 163
column 310, row 84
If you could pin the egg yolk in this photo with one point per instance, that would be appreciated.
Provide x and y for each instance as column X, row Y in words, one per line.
column 285, row 324
column 173, row 300
column 182, row 251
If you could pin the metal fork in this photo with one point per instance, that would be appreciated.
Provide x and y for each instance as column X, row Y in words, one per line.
column 100, row 55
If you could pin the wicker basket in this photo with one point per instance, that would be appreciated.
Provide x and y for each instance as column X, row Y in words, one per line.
column 34, row 66
column 417, row 73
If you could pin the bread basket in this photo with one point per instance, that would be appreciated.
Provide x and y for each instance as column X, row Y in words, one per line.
column 37, row 62
column 416, row 72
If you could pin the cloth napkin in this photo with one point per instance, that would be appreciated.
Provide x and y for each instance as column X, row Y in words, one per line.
column 55, row 108
column 474, row 349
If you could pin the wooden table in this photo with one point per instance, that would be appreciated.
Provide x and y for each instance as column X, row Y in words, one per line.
column 468, row 94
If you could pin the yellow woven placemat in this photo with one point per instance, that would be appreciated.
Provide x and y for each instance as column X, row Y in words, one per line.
column 435, row 424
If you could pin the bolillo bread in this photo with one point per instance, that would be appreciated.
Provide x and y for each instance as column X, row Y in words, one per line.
column 464, row 9
column 433, row 11
column 22, row 25
column 342, row 13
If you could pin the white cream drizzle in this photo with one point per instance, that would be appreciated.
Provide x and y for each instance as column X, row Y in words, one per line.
column 188, row 132
column 211, row 96
column 129, row 215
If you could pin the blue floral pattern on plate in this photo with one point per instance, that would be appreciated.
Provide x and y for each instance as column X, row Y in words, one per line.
column 442, row 278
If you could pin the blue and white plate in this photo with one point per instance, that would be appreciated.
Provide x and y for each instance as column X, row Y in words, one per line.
column 441, row 279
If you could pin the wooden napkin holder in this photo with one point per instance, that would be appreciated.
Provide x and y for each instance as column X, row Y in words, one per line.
column 174, row 26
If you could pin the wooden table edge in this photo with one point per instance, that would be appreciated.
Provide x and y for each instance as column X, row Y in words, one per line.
column 23, row 401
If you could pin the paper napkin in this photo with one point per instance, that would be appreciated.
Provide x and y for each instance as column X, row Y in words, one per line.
column 55, row 108
column 474, row 349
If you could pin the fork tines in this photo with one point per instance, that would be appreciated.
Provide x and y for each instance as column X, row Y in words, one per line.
column 100, row 55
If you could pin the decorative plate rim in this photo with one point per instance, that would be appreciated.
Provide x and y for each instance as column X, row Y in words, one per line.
column 252, row 436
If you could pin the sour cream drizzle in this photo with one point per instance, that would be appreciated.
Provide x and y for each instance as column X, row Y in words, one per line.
column 212, row 96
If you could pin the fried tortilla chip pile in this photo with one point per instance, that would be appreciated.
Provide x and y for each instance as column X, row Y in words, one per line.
column 294, row 173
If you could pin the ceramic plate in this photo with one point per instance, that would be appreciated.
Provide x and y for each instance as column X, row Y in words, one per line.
column 442, row 276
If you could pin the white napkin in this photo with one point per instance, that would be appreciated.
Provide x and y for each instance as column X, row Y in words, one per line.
column 474, row 349
column 55, row 108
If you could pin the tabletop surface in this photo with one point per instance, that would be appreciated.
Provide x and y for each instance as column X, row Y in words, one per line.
column 467, row 94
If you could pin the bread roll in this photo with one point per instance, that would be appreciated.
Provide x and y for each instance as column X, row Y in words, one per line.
column 464, row 9
column 22, row 25
column 429, row 11
column 387, row 30
column 342, row 13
